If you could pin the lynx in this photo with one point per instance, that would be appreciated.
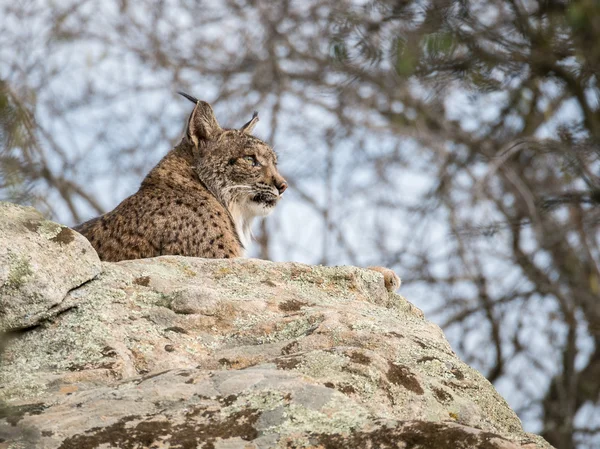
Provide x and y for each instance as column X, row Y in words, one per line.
column 200, row 200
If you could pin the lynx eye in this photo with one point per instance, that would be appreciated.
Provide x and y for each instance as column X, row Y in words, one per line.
column 252, row 160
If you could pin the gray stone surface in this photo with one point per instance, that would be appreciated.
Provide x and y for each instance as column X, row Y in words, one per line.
column 40, row 262
column 178, row 352
column 258, row 407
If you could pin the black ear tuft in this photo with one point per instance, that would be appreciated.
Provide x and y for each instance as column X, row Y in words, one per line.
column 189, row 97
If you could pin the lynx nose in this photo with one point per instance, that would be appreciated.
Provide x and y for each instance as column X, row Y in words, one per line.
column 281, row 186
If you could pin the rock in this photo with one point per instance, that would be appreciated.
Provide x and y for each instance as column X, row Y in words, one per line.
column 40, row 262
column 258, row 407
column 185, row 352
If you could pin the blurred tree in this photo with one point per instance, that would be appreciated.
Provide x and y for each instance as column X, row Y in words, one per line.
column 455, row 141
column 24, row 163
column 527, row 175
column 11, row 186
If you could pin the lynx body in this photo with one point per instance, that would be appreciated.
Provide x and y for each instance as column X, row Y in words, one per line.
column 199, row 200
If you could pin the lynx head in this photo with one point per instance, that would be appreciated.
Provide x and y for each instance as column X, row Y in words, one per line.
column 240, row 169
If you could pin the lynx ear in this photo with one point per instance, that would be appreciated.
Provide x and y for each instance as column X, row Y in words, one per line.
column 248, row 127
column 202, row 124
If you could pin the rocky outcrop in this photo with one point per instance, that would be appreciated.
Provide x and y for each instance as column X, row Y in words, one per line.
column 40, row 262
column 183, row 353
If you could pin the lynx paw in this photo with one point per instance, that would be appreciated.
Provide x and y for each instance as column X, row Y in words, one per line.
column 391, row 279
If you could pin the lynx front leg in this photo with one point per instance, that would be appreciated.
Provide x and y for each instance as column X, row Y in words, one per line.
column 391, row 279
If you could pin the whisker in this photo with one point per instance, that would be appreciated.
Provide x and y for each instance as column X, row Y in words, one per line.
column 238, row 187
